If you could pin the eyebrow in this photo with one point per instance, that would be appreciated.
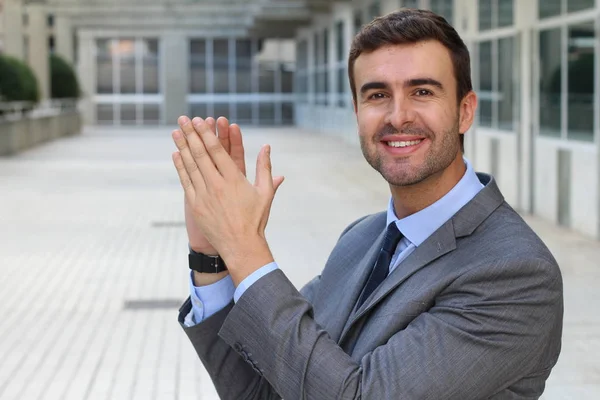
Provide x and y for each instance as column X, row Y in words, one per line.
column 407, row 84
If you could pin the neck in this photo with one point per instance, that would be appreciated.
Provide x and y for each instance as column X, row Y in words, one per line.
column 413, row 198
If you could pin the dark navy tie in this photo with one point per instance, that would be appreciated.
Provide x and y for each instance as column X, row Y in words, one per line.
column 382, row 265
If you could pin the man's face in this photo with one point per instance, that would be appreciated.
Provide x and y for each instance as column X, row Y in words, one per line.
column 407, row 112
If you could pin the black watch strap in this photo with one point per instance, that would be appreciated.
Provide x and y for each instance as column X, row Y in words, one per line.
column 206, row 264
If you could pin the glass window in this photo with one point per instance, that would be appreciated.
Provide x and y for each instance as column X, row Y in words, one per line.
column 104, row 114
column 342, row 80
column 104, row 68
column 287, row 78
column 198, row 66
column 199, row 110
column 302, row 55
column 445, row 8
column 550, row 82
column 128, row 114
column 578, row 5
column 581, row 82
column 486, row 86
column 266, row 114
column 221, row 65
column 221, row 110
column 287, row 113
column 244, row 113
column 150, row 66
column 507, row 63
column 340, row 41
column 485, row 15
column 151, row 113
column 505, row 13
column 495, row 13
column 374, row 10
column 125, row 50
column 549, row 8
column 357, row 21
column 243, row 64
column 325, row 47
column 266, row 77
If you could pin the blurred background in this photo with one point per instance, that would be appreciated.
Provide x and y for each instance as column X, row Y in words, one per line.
column 100, row 83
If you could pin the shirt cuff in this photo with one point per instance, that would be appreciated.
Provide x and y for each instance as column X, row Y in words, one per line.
column 253, row 277
column 208, row 300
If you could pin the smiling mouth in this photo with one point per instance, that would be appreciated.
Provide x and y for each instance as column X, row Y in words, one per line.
column 404, row 144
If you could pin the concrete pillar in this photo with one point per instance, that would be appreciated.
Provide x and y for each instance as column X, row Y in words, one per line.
column 525, row 18
column 38, row 48
column 174, row 56
column 64, row 38
column 86, row 71
column 14, row 41
column 466, row 13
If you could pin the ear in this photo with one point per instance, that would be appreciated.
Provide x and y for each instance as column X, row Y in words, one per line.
column 467, row 109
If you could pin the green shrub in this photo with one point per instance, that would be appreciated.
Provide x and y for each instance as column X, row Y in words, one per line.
column 17, row 81
column 63, row 80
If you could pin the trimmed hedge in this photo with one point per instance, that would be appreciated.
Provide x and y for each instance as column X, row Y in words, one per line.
column 63, row 80
column 17, row 81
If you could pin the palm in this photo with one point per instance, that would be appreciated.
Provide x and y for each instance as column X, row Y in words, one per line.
column 231, row 139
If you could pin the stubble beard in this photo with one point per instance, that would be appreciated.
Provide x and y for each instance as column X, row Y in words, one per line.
column 443, row 149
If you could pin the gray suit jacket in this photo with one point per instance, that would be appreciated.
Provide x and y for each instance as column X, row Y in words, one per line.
column 475, row 312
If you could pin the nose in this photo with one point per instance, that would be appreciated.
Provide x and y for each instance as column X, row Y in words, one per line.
column 400, row 113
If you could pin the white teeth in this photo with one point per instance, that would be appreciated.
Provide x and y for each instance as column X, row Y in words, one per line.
column 404, row 144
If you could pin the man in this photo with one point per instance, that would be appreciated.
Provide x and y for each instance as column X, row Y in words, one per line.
column 446, row 295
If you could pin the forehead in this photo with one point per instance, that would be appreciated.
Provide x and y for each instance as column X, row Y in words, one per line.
column 405, row 61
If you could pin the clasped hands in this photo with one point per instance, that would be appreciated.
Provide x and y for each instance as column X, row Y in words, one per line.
column 230, row 211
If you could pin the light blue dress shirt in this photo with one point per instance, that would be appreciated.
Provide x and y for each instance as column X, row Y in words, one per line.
column 416, row 228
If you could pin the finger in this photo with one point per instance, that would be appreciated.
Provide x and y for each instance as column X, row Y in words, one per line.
column 237, row 147
column 264, row 177
column 223, row 133
column 212, row 123
column 198, row 150
column 187, row 159
column 212, row 146
column 184, row 178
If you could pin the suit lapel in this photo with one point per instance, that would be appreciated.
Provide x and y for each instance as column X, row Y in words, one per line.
column 355, row 280
column 438, row 244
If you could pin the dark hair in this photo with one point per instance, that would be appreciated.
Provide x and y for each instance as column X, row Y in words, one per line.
column 407, row 26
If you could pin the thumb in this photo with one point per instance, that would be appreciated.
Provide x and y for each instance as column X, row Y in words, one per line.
column 264, row 177
column 277, row 181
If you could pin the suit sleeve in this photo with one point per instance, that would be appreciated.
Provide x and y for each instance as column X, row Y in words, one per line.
column 485, row 332
column 232, row 369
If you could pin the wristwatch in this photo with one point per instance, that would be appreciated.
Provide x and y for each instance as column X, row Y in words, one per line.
column 206, row 264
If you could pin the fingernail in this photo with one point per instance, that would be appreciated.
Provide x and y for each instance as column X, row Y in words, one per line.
column 182, row 120
column 196, row 121
column 177, row 135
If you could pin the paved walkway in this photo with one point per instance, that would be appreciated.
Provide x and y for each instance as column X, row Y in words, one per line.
column 93, row 262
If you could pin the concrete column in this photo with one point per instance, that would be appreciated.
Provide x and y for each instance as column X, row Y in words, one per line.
column 64, row 38
column 525, row 17
column 466, row 12
column 86, row 71
column 14, row 41
column 38, row 49
column 174, row 66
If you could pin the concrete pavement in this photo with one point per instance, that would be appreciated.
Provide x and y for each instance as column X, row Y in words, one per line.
column 93, row 262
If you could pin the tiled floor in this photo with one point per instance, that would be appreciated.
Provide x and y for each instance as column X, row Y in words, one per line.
column 93, row 222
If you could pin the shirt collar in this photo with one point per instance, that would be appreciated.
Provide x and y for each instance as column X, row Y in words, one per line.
column 420, row 225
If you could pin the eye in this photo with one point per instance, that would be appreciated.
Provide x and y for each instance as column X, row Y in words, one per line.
column 377, row 96
column 423, row 92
